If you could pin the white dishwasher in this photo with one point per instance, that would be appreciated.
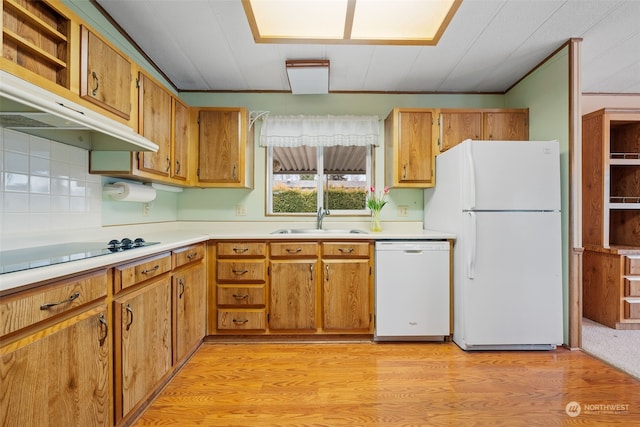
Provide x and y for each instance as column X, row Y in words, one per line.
column 412, row 291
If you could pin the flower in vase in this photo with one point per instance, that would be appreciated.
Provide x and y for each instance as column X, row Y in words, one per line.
column 376, row 201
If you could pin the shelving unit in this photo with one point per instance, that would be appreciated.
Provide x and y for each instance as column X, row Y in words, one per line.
column 611, row 217
column 36, row 36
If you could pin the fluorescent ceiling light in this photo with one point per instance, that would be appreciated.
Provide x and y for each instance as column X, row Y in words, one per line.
column 308, row 77
column 408, row 22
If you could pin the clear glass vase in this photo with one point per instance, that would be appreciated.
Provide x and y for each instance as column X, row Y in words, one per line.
column 375, row 221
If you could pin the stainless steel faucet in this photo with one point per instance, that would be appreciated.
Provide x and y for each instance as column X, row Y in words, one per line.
column 320, row 217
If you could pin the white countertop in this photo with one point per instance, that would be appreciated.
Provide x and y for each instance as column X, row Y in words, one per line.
column 172, row 235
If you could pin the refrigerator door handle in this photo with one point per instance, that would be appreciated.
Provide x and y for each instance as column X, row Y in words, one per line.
column 471, row 255
column 471, row 188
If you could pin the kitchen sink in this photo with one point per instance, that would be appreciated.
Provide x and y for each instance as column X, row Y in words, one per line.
column 318, row 231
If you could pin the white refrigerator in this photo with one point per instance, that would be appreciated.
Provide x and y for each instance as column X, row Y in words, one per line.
column 502, row 201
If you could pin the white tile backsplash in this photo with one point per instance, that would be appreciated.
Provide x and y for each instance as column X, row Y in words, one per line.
column 45, row 185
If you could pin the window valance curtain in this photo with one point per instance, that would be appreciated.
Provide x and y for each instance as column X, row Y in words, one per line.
column 324, row 131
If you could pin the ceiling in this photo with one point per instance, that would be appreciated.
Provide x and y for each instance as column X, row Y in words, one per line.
column 490, row 44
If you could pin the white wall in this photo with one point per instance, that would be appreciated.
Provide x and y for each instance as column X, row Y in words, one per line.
column 45, row 186
column 594, row 102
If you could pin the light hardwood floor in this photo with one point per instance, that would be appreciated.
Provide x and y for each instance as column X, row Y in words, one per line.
column 391, row 384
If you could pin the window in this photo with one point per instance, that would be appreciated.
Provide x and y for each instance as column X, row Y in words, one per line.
column 302, row 179
column 319, row 161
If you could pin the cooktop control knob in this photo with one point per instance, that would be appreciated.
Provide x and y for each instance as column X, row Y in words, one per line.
column 127, row 243
column 138, row 242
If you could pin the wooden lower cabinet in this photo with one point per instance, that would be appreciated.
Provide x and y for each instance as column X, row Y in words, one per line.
column 59, row 375
column 189, row 299
column 240, row 275
column 292, row 295
column 190, row 296
column 293, row 287
column 611, row 287
column 143, row 343
column 346, row 295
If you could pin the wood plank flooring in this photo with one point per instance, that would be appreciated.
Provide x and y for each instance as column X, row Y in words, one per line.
column 392, row 384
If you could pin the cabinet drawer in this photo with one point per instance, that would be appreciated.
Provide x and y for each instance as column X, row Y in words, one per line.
column 139, row 271
column 242, row 249
column 632, row 265
column 241, row 296
column 345, row 249
column 229, row 320
column 632, row 287
column 245, row 271
column 188, row 254
column 294, row 249
column 632, row 309
column 28, row 308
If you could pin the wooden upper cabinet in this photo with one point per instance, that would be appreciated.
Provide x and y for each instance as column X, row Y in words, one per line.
column 105, row 75
column 35, row 37
column 154, row 118
column 180, row 146
column 409, row 159
column 225, row 151
column 456, row 127
column 507, row 125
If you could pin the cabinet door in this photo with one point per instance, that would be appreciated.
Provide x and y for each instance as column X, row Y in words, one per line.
column 59, row 376
column 219, row 146
column 105, row 75
column 180, row 146
column 190, row 294
column 346, row 297
column 456, row 127
column 506, row 126
column 409, row 159
column 155, row 124
column 292, row 302
column 143, row 343
column 415, row 147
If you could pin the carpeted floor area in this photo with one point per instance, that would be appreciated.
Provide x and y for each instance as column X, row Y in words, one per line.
column 620, row 348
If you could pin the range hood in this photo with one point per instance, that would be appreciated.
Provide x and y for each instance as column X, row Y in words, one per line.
column 27, row 108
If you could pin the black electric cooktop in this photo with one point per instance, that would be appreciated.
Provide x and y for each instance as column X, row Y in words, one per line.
column 43, row 256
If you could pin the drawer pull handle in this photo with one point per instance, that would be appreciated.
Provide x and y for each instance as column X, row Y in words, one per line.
column 105, row 327
column 151, row 270
column 294, row 251
column 311, row 271
column 73, row 296
column 240, row 250
column 326, row 270
column 192, row 255
column 240, row 297
column 240, row 321
column 129, row 316
column 346, row 251
column 239, row 272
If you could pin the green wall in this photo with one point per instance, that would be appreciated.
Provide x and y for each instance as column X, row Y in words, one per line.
column 546, row 93
column 219, row 204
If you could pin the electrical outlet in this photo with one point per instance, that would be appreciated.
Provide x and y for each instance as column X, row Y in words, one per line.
column 403, row 210
column 145, row 209
column 240, row 210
